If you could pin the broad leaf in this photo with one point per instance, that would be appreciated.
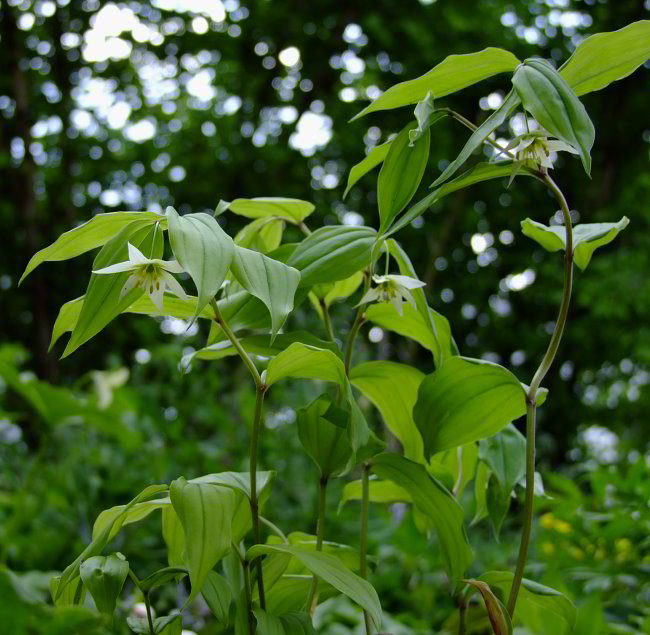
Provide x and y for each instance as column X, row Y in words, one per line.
column 104, row 578
column 392, row 388
column 263, row 235
column 286, row 624
column 604, row 58
column 91, row 234
column 505, row 455
column 174, row 537
column 162, row 577
column 497, row 613
column 378, row 492
column 217, row 595
column 330, row 569
column 401, row 174
column 587, row 237
column 477, row 138
column 205, row 512
column 273, row 282
column 436, row 503
column 339, row 290
column 480, row 492
column 461, row 462
column 306, row 362
column 127, row 513
column 203, row 249
column 372, row 160
column 333, row 253
column 466, row 400
column 291, row 209
column 453, row 74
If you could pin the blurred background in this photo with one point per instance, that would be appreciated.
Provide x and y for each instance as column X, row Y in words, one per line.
column 138, row 105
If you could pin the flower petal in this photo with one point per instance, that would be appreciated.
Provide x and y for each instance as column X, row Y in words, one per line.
column 136, row 256
column 173, row 266
column 173, row 285
column 130, row 284
column 407, row 281
column 119, row 267
column 156, row 291
column 370, row 296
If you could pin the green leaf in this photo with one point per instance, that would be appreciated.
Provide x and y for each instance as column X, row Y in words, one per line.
column 273, row 282
column 306, row 362
column 330, row 569
column 104, row 578
column 127, row 514
column 546, row 95
column 604, row 58
column 533, row 598
column 505, row 455
column 497, row 613
column 426, row 115
column 102, row 302
column 263, row 235
column 333, row 253
column 401, row 174
column 480, row 172
column 203, row 249
column 91, row 234
column 436, row 503
column 587, row 237
column 480, row 492
column 498, row 504
column 168, row 625
column 287, row 624
column 372, row 160
column 291, row 209
column 162, row 577
column 338, row 290
column 268, row 624
column 323, row 438
column 217, row 595
column 461, row 462
column 206, row 512
column 378, row 492
column 377, row 382
column 454, row 73
column 174, row 537
column 477, row 138
column 466, row 400
column 74, row 592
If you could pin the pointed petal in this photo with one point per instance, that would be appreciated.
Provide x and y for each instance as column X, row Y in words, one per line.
column 173, row 285
column 370, row 296
column 409, row 298
column 407, row 281
column 173, row 266
column 136, row 256
column 556, row 145
column 396, row 301
column 119, row 267
column 130, row 284
column 156, row 291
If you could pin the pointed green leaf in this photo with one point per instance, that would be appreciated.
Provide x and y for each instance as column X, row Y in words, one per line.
column 587, row 237
column 401, row 174
column 466, row 400
column 333, row 253
column 285, row 624
column 377, row 382
column 338, row 290
column 607, row 57
column 168, row 625
column 162, row 577
column 306, row 362
column 330, row 569
column 91, row 234
column 74, row 592
column 378, row 492
column 480, row 492
column 477, row 138
column 205, row 512
column 127, row 514
column 291, row 209
column 174, row 537
column 203, row 249
column 217, row 595
column 453, row 74
column 426, row 116
column 505, row 455
column 263, row 234
column 273, row 282
column 461, row 462
column 268, row 624
column 436, row 503
column 104, row 578
column 372, row 160
column 497, row 613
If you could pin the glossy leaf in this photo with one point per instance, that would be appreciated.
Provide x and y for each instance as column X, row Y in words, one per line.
column 392, row 388
column 205, row 512
column 436, row 503
column 291, row 209
column 604, row 58
column 587, row 237
column 273, row 282
column 104, row 578
column 263, row 235
column 372, row 160
column 466, row 400
column 306, row 362
column 89, row 235
column 217, row 595
column 330, row 569
column 497, row 118
column 454, row 73
column 203, row 249
column 333, row 253
column 401, row 174
column 497, row 613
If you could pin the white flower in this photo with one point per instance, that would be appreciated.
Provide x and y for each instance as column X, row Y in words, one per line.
column 536, row 147
column 152, row 275
column 394, row 289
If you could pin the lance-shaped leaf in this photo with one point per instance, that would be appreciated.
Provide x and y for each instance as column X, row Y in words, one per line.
column 426, row 116
column 604, row 58
column 372, row 160
column 546, row 95
column 206, row 512
column 401, row 174
column 203, row 249
column 161, row 577
column 102, row 301
column 330, row 569
column 217, row 595
column 104, row 578
column 91, row 234
column 273, row 282
column 434, row 501
column 497, row 613
column 393, row 388
column 333, row 253
column 466, row 400
column 452, row 74
column 587, row 237
column 505, row 455
column 291, row 209
column 477, row 138
column 127, row 514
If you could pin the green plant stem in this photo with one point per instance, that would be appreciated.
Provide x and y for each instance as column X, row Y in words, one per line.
column 363, row 548
column 326, row 320
column 359, row 319
column 304, row 229
column 147, row 606
column 462, row 616
column 531, row 398
column 312, row 602
column 248, row 594
column 275, row 529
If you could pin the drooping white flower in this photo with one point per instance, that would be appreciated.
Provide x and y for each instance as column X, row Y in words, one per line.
column 392, row 288
column 152, row 275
